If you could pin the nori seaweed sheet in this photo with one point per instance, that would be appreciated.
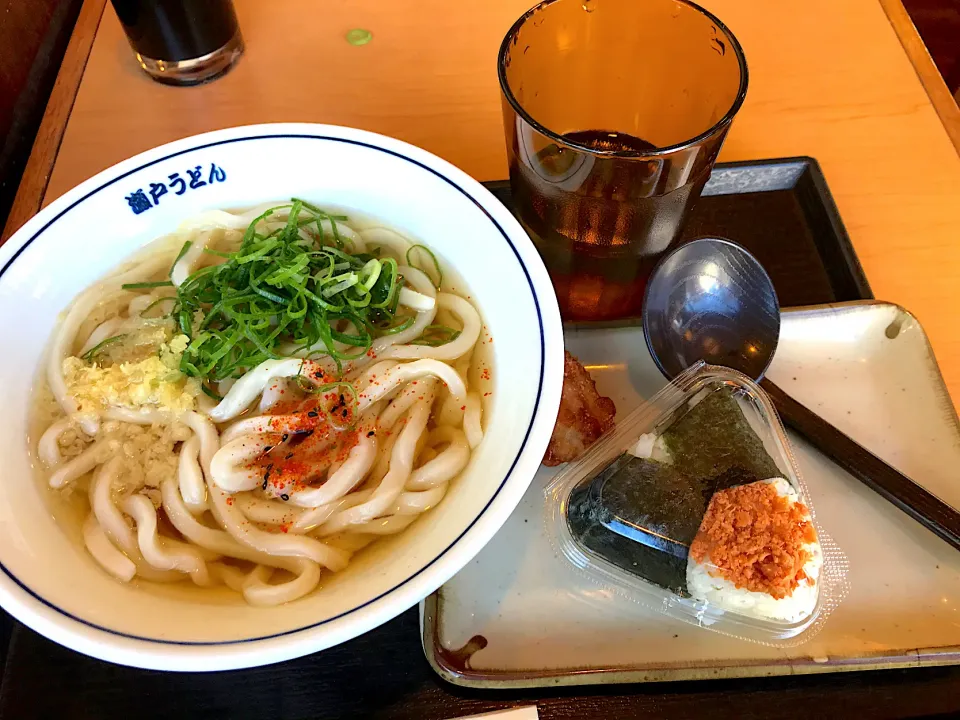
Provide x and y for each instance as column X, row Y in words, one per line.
column 714, row 437
column 641, row 514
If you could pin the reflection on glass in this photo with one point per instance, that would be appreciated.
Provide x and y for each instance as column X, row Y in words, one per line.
column 614, row 111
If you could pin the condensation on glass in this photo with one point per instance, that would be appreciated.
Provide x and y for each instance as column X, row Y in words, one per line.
column 614, row 112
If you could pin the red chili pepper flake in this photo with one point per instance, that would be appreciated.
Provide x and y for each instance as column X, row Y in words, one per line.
column 296, row 468
column 229, row 501
column 487, row 394
column 285, row 527
column 463, row 407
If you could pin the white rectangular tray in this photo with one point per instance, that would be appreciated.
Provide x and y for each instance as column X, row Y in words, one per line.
column 515, row 616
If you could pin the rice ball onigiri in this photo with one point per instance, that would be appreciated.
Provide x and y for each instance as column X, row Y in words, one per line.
column 757, row 553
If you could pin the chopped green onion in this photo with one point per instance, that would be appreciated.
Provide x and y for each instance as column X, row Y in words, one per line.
column 95, row 350
column 146, row 285
column 265, row 247
column 340, row 283
column 436, row 263
column 372, row 271
column 208, row 391
column 155, row 303
column 183, row 317
column 183, row 251
column 394, row 329
column 386, row 290
column 436, row 335
column 281, row 288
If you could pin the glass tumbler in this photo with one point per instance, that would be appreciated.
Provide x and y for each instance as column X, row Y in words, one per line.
column 614, row 113
column 182, row 42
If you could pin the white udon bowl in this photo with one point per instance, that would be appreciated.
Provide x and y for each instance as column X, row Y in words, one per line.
column 47, row 579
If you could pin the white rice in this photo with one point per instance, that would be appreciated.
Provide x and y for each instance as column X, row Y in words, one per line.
column 652, row 446
column 722, row 593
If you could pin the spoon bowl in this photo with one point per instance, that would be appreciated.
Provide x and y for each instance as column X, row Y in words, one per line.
column 711, row 300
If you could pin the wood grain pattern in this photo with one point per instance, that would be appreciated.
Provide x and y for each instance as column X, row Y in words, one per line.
column 927, row 71
column 33, row 184
column 938, row 23
column 33, row 39
column 428, row 77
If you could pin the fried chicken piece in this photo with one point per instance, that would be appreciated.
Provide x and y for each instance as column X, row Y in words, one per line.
column 584, row 415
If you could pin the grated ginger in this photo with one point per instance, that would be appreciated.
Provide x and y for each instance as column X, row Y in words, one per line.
column 147, row 453
column 142, row 371
column 155, row 381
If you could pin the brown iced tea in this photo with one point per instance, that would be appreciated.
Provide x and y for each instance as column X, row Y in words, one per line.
column 601, row 235
column 614, row 111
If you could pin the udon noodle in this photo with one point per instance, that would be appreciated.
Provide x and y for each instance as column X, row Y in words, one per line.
column 254, row 399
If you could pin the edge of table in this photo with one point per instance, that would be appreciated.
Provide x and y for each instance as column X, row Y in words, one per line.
column 33, row 185
column 931, row 79
column 43, row 154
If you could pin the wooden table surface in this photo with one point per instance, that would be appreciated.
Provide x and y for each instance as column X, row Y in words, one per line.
column 836, row 85
column 848, row 83
column 830, row 83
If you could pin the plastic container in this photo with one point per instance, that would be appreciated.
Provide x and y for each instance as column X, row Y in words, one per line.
column 630, row 514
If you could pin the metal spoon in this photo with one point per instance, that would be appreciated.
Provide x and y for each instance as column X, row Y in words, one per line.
column 711, row 300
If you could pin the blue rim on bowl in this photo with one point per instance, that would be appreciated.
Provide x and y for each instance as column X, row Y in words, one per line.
column 547, row 394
